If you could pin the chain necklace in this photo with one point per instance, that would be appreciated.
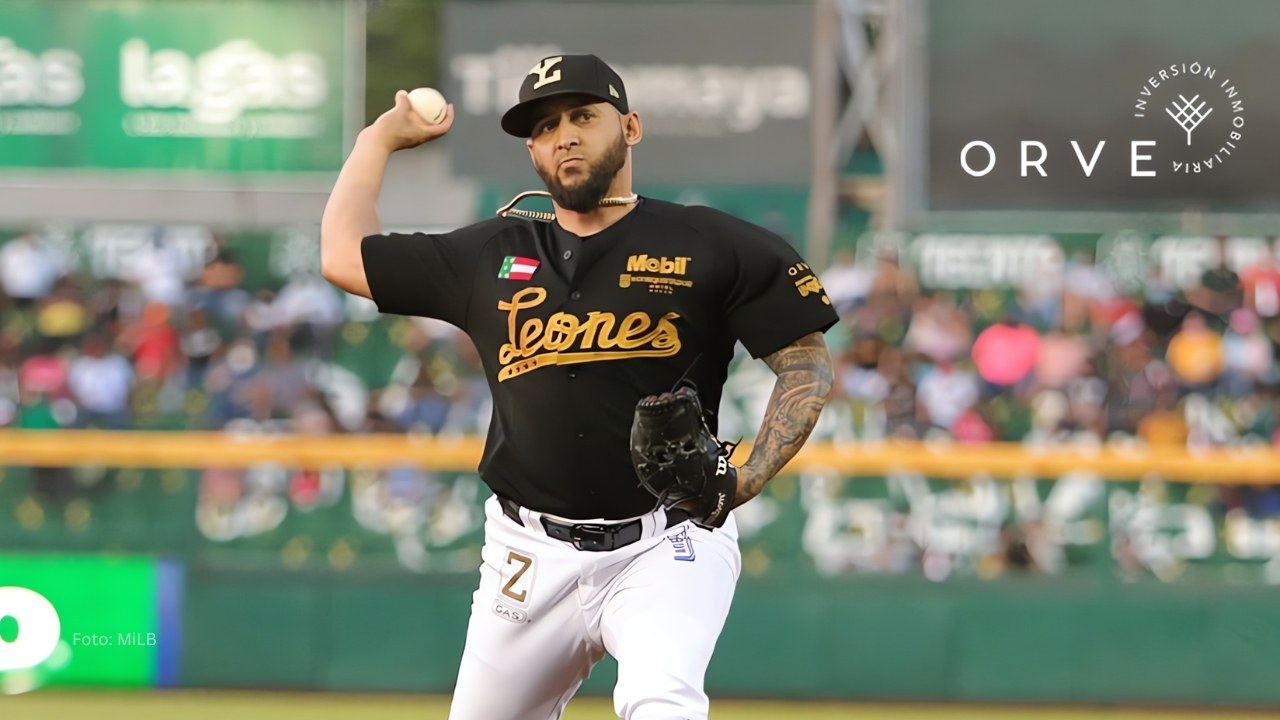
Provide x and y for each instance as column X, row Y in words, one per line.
column 511, row 209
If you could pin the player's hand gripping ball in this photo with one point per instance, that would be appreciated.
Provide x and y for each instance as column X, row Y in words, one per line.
column 406, row 125
column 679, row 460
column 429, row 104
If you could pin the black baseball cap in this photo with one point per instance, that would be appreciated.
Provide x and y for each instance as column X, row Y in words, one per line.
column 563, row 75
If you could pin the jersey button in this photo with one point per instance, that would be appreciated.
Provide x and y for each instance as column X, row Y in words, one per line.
column 568, row 254
column 581, row 435
column 575, row 295
column 572, row 374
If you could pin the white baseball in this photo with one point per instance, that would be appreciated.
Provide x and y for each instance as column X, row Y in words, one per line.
column 429, row 103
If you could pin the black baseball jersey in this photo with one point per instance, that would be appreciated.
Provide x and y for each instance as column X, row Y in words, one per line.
column 573, row 332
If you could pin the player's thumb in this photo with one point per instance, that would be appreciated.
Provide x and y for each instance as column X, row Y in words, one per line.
column 402, row 98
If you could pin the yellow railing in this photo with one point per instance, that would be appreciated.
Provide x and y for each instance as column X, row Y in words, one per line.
column 1004, row 460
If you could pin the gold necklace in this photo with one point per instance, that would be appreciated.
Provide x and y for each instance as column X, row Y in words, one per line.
column 511, row 209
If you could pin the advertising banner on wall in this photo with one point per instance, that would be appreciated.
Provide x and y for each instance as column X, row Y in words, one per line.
column 88, row 620
column 202, row 85
column 715, row 107
column 1144, row 106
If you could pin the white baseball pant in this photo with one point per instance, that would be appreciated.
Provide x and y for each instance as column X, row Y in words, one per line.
column 546, row 612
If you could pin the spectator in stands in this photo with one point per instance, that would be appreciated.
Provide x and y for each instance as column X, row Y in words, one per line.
column 1086, row 288
column 1039, row 295
column 1260, row 282
column 62, row 313
column 309, row 303
column 420, row 407
column 944, row 394
column 284, row 376
column 44, row 371
column 159, row 271
column 1166, row 424
column 219, row 290
column 891, row 282
column 1062, row 357
column 225, row 382
column 1195, row 353
column 1086, row 403
column 199, row 343
column 28, row 269
column 939, row 331
column 860, row 384
column 847, row 283
column 1006, row 352
column 900, row 412
column 153, row 343
column 1247, row 355
column 1219, row 290
column 100, row 380
column 10, row 393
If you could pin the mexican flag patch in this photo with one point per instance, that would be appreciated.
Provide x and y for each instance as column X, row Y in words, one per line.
column 515, row 267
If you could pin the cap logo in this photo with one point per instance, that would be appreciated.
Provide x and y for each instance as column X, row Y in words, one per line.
column 614, row 92
column 544, row 73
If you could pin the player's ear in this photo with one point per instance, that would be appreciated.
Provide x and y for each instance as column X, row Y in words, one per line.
column 632, row 130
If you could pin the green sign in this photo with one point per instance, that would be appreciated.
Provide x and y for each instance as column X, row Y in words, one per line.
column 106, row 611
column 199, row 85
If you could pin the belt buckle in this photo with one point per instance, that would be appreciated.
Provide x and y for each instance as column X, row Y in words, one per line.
column 592, row 536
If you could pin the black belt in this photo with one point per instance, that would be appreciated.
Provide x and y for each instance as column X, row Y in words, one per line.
column 592, row 537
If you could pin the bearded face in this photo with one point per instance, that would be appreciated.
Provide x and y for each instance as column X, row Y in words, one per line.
column 579, row 185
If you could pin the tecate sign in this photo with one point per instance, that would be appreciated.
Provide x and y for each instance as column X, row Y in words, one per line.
column 714, row 108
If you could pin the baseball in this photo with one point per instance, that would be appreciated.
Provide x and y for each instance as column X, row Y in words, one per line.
column 429, row 103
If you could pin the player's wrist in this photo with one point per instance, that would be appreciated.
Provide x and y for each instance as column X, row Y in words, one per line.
column 373, row 139
column 749, row 484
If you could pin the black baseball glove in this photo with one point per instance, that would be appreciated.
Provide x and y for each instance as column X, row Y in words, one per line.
column 678, row 459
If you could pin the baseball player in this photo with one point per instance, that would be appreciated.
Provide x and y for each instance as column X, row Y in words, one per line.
column 606, row 328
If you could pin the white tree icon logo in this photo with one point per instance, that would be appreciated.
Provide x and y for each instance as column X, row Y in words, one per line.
column 1189, row 115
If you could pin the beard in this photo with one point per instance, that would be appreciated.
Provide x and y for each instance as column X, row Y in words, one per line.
column 587, row 193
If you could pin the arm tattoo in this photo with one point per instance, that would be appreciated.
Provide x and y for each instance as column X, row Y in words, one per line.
column 804, row 383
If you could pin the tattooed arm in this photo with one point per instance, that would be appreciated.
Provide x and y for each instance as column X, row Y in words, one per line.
column 804, row 383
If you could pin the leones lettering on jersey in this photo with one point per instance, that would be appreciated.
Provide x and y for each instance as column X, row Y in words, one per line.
column 566, row 339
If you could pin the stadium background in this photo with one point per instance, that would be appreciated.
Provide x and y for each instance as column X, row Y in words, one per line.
column 1044, row 486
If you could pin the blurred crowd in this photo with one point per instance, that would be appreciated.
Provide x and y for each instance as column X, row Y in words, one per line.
column 1068, row 357
column 174, row 339
column 165, row 343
